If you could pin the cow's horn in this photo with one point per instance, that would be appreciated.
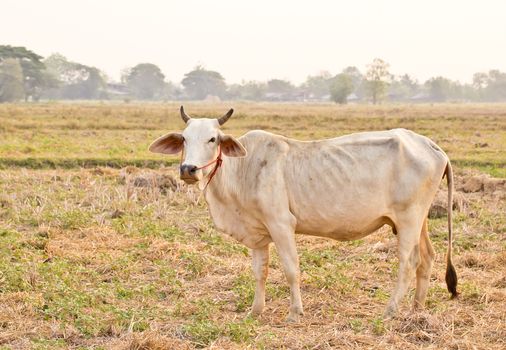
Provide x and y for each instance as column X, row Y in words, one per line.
column 184, row 116
column 224, row 119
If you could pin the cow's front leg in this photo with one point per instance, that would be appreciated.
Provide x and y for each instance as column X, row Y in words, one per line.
column 284, row 239
column 260, row 270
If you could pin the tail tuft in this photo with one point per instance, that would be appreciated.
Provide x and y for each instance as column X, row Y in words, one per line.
column 451, row 280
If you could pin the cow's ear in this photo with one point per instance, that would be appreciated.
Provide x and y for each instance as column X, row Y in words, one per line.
column 168, row 144
column 231, row 147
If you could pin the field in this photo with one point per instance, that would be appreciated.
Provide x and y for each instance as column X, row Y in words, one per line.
column 102, row 247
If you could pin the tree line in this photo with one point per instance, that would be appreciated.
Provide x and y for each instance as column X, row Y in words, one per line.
column 25, row 75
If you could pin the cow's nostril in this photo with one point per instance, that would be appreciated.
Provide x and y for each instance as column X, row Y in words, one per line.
column 188, row 169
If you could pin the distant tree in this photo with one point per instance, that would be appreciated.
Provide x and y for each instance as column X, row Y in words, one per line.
column 280, row 90
column 318, row 86
column 248, row 90
column 470, row 93
column 355, row 75
column 170, row 91
column 145, row 80
column 377, row 78
column 62, row 69
column 234, row 92
column 253, row 90
column 11, row 80
column 403, row 87
column 279, row 85
column 94, row 85
column 34, row 77
column 495, row 89
column 439, row 88
column 480, row 80
column 341, row 87
column 200, row 82
column 75, row 80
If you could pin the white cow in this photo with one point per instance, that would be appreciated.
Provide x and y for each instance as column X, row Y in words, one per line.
column 270, row 187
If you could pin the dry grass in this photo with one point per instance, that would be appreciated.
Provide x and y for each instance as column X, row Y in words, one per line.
column 107, row 258
column 88, row 260
column 72, row 135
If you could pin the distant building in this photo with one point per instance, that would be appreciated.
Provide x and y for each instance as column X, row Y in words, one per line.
column 117, row 90
column 352, row 98
column 420, row 97
column 212, row 98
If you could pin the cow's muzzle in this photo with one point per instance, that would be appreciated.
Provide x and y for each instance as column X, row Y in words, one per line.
column 189, row 173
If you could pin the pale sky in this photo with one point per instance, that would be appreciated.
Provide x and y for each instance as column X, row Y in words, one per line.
column 260, row 40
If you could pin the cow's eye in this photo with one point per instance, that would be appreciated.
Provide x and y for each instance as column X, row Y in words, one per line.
column 212, row 139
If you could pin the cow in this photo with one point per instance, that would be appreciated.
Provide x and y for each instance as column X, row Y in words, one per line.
column 262, row 188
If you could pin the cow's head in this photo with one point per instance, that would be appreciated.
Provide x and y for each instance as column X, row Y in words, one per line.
column 200, row 140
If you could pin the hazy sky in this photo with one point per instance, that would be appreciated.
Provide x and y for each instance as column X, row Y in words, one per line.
column 259, row 40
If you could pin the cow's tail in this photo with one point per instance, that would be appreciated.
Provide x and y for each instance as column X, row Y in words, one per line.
column 451, row 274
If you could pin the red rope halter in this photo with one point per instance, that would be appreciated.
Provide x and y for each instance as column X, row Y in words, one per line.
column 218, row 162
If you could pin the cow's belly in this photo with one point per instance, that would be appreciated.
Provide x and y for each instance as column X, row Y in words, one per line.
column 341, row 219
column 343, row 232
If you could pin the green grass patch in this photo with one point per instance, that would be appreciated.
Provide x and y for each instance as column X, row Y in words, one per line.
column 71, row 163
column 244, row 290
column 242, row 331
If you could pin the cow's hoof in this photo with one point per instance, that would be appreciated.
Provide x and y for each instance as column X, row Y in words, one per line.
column 389, row 313
column 294, row 316
column 257, row 309
column 256, row 312
column 418, row 306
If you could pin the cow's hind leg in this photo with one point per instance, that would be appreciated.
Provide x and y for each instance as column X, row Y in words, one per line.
column 423, row 271
column 408, row 233
column 260, row 270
